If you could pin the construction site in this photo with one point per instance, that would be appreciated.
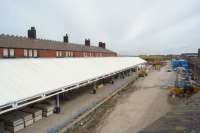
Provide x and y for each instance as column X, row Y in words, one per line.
column 73, row 66
column 112, row 94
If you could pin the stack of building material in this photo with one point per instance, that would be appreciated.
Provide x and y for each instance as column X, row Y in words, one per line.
column 13, row 122
column 36, row 113
column 100, row 86
column 51, row 102
column 27, row 117
column 47, row 110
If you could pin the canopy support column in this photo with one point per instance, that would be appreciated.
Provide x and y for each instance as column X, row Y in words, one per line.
column 57, row 109
column 94, row 88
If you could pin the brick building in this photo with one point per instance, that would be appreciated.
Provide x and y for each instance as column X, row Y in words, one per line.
column 31, row 47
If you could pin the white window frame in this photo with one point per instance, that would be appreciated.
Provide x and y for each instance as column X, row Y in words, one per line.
column 35, row 53
column 12, row 52
column 5, row 52
column 60, row 53
column 25, row 53
column 67, row 53
column 30, row 53
column 57, row 53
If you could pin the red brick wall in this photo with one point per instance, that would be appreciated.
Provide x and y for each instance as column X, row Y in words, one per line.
column 46, row 53
column 1, row 52
column 78, row 54
column 19, row 53
column 93, row 54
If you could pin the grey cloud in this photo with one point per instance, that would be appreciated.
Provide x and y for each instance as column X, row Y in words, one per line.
column 128, row 26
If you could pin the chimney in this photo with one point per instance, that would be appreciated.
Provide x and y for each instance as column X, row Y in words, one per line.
column 102, row 45
column 87, row 42
column 32, row 33
column 65, row 39
column 199, row 52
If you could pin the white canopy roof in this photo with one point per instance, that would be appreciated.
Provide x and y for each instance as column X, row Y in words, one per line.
column 24, row 78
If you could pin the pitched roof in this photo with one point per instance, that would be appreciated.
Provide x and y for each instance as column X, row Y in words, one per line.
column 7, row 41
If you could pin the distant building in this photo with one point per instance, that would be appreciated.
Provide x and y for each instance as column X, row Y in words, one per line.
column 186, row 55
column 31, row 47
column 194, row 64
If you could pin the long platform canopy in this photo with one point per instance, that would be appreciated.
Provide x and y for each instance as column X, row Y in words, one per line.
column 24, row 81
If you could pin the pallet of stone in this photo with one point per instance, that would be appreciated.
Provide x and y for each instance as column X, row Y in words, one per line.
column 36, row 113
column 47, row 110
column 13, row 122
column 100, row 86
column 50, row 102
column 27, row 117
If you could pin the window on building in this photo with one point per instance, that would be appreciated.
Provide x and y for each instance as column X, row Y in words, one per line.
column 30, row 52
column 12, row 52
column 5, row 52
column 35, row 54
column 72, row 54
column 60, row 53
column 8, row 52
column 25, row 53
column 67, row 53
column 57, row 53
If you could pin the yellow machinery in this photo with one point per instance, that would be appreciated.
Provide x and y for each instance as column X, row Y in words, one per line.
column 175, row 91
column 187, row 90
column 156, row 64
column 142, row 73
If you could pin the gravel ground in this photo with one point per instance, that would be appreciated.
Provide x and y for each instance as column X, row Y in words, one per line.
column 136, row 110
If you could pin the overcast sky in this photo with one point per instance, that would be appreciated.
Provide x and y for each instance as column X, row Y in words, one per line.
column 127, row 26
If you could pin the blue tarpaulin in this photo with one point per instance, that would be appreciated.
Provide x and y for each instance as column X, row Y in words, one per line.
column 180, row 63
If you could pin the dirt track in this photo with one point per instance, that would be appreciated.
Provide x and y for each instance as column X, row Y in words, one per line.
column 136, row 110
